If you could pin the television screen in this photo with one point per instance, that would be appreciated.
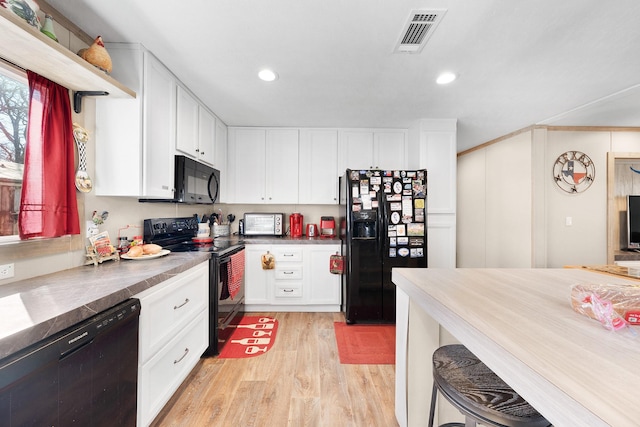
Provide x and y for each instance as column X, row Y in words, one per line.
column 633, row 222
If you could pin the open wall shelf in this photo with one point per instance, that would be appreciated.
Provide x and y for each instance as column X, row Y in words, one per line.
column 29, row 49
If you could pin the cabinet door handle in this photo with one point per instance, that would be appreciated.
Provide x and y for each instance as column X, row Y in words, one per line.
column 186, row 300
column 186, row 351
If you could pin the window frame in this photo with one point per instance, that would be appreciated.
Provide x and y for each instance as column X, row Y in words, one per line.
column 12, row 248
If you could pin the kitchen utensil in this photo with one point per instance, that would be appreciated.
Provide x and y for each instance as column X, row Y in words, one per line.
column 83, row 180
column 231, row 218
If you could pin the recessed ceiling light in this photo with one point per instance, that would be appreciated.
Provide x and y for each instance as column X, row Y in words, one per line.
column 445, row 78
column 267, row 75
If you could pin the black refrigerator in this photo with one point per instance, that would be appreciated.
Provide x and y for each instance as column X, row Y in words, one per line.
column 382, row 225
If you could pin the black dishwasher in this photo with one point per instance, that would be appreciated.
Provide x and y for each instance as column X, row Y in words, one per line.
column 85, row 375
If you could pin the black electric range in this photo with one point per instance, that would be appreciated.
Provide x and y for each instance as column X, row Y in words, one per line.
column 177, row 235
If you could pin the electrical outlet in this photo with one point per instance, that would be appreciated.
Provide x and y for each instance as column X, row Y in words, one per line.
column 6, row 271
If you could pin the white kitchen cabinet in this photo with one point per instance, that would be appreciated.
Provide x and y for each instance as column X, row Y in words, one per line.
column 135, row 138
column 300, row 281
column 186, row 123
column 255, row 278
column 318, row 177
column 206, row 135
column 372, row 149
column 263, row 165
column 220, row 158
column 173, row 335
column 324, row 287
column 195, row 128
column 288, row 284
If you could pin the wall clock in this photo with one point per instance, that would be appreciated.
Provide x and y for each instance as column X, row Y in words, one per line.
column 574, row 172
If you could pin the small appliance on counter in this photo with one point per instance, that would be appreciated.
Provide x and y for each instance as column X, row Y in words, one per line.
column 327, row 226
column 312, row 230
column 264, row 224
column 295, row 224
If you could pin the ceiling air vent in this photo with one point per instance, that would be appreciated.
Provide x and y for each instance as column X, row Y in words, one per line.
column 419, row 27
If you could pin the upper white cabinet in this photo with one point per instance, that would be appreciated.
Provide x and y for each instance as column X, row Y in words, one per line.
column 318, row 177
column 372, row 149
column 206, row 135
column 196, row 126
column 263, row 165
column 220, row 158
column 135, row 138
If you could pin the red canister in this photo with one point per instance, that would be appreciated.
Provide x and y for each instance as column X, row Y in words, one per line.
column 295, row 224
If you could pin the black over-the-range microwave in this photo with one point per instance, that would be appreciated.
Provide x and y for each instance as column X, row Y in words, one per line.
column 194, row 183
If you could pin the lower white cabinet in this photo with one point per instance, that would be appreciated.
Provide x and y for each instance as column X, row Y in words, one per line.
column 299, row 281
column 174, row 332
column 325, row 287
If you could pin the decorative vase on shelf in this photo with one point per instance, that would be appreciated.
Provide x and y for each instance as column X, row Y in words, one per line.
column 47, row 28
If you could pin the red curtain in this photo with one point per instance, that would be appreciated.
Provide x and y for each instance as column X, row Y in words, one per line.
column 48, row 206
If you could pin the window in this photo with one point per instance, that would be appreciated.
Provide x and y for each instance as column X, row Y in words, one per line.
column 14, row 111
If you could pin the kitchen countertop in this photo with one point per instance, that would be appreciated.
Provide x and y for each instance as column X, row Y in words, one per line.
column 287, row 240
column 520, row 323
column 36, row 308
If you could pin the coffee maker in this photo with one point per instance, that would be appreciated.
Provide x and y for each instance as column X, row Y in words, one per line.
column 327, row 226
column 295, row 224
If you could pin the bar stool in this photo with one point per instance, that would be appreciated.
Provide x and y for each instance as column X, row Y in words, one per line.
column 477, row 392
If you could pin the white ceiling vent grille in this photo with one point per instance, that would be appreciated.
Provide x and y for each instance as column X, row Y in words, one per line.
column 419, row 27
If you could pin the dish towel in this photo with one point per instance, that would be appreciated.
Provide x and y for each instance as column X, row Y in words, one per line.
column 235, row 273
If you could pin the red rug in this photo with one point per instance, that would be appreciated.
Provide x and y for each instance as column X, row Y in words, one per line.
column 253, row 336
column 366, row 344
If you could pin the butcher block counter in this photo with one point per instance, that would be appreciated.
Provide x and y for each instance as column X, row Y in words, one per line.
column 34, row 309
column 521, row 324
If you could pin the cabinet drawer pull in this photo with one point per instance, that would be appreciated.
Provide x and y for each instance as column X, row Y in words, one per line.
column 186, row 300
column 186, row 351
column 287, row 290
column 287, row 272
column 287, row 254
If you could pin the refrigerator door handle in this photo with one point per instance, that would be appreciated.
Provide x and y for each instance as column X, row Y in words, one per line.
column 382, row 223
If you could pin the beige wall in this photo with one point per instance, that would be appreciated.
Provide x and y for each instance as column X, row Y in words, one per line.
column 512, row 214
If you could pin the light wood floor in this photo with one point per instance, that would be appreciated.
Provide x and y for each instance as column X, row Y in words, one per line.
column 299, row 382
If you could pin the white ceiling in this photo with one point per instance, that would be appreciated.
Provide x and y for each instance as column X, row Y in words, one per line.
column 519, row 62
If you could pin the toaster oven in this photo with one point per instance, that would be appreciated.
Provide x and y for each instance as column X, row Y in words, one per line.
column 264, row 224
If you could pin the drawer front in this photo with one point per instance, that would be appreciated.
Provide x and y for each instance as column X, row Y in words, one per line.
column 287, row 254
column 288, row 290
column 287, row 272
column 168, row 310
column 161, row 376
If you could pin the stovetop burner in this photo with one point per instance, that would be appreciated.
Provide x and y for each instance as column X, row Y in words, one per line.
column 176, row 235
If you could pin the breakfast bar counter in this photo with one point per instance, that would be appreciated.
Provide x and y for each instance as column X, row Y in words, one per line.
column 520, row 323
